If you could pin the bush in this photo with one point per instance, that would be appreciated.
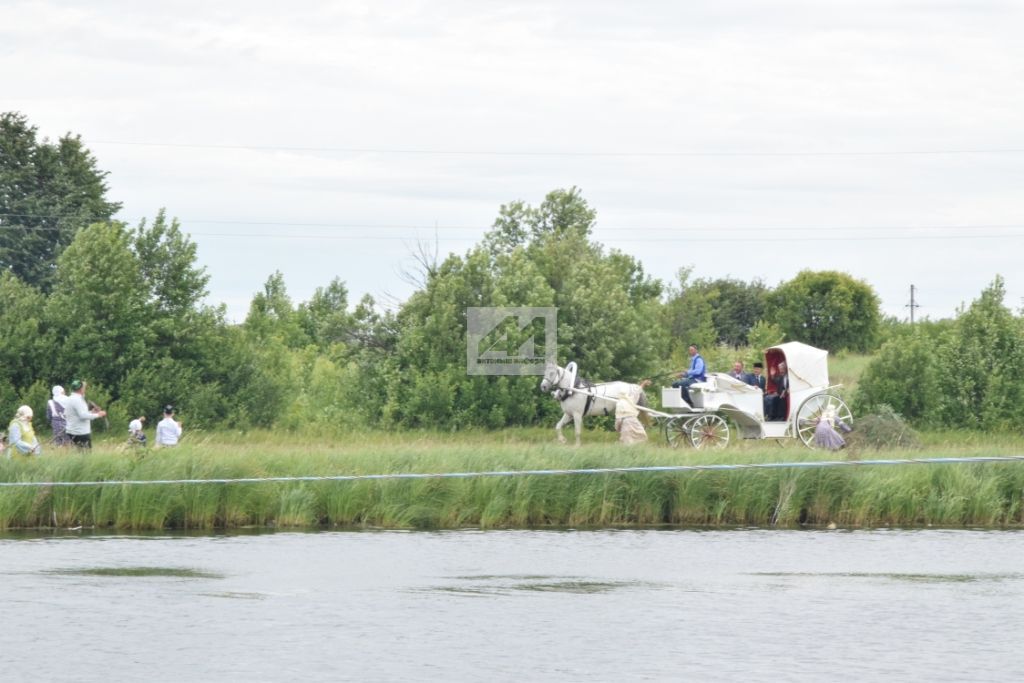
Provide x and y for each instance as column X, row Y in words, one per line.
column 884, row 429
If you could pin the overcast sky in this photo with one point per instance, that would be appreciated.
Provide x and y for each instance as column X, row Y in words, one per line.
column 745, row 139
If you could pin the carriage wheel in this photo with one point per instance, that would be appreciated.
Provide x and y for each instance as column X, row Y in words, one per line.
column 709, row 431
column 677, row 431
column 810, row 413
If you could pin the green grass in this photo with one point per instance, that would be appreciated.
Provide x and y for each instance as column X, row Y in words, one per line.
column 946, row 495
column 846, row 369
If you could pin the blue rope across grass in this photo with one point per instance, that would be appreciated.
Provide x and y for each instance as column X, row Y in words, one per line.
column 813, row 464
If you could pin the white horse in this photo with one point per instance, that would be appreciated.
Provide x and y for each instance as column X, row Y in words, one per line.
column 579, row 398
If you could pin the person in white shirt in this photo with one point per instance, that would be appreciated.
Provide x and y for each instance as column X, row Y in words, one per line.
column 168, row 431
column 136, row 436
column 79, row 417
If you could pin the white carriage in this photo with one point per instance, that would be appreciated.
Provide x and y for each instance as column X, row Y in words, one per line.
column 722, row 399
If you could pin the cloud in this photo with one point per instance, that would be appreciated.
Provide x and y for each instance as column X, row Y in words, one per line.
column 574, row 77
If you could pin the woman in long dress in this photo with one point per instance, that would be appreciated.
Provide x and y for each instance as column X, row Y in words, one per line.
column 627, row 423
column 825, row 434
column 55, row 414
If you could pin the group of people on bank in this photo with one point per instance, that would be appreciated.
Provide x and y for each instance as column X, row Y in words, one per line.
column 71, row 417
column 774, row 399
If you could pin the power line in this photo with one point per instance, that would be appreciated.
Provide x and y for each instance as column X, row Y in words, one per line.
column 597, row 228
column 745, row 240
column 759, row 238
column 553, row 153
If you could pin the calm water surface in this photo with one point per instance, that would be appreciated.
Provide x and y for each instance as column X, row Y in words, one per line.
column 515, row 605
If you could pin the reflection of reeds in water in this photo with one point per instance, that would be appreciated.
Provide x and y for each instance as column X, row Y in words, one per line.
column 172, row 572
column 913, row 495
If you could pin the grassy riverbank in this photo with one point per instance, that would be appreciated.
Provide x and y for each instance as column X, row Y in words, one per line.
column 946, row 495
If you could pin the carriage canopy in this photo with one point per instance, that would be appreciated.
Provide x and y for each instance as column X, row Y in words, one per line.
column 808, row 366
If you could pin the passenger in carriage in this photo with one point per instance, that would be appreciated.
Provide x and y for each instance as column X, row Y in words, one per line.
column 737, row 371
column 696, row 373
column 756, row 378
column 775, row 401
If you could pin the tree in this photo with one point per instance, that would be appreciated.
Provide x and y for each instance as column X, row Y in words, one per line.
column 272, row 315
column 964, row 375
column 99, row 321
column 705, row 312
column 48, row 192
column 827, row 309
column 325, row 317
column 167, row 263
column 21, row 312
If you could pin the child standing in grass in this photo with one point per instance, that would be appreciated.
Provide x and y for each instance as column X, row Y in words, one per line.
column 136, row 436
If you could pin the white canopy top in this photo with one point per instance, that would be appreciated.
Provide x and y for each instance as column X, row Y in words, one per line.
column 808, row 366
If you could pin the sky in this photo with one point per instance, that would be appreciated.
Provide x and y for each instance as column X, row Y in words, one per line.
column 739, row 138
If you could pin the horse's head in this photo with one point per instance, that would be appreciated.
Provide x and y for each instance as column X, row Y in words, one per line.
column 552, row 373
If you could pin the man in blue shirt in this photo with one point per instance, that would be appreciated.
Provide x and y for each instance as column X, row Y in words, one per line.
column 696, row 373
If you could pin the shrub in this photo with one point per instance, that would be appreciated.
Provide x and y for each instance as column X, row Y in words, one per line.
column 883, row 429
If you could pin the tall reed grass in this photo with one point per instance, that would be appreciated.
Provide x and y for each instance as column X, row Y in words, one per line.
column 913, row 495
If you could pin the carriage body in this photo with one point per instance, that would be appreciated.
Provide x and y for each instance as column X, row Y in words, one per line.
column 721, row 398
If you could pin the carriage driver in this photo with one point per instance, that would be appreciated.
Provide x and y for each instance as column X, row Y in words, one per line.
column 696, row 373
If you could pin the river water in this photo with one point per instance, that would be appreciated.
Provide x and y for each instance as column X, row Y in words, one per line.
column 515, row 606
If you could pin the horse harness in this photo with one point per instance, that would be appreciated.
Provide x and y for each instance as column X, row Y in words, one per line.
column 563, row 394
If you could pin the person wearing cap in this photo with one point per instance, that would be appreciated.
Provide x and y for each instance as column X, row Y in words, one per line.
column 55, row 416
column 79, row 417
column 21, row 436
column 168, row 430
column 756, row 378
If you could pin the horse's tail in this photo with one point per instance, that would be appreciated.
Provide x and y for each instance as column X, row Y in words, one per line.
column 643, row 399
column 645, row 417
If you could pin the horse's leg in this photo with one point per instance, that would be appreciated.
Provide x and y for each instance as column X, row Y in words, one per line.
column 578, row 420
column 561, row 423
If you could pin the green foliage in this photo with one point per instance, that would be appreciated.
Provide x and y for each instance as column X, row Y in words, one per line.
column 325, row 317
column 98, row 309
column 908, row 376
column 36, row 397
column 166, row 257
column 21, row 326
column 147, row 388
column 48, row 191
column 688, row 318
column 539, row 256
column 964, row 374
column 764, row 335
column 273, row 317
column 720, row 311
column 827, row 309
column 884, row 429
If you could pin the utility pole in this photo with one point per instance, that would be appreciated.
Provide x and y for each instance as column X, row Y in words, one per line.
column 913, row 303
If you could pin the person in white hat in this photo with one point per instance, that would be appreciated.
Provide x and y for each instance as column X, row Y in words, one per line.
column 55, row 416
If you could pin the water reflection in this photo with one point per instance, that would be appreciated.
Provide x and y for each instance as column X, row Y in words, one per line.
column 595, row 605
column 175, row 572
column 891, row 576
column 497, row 584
